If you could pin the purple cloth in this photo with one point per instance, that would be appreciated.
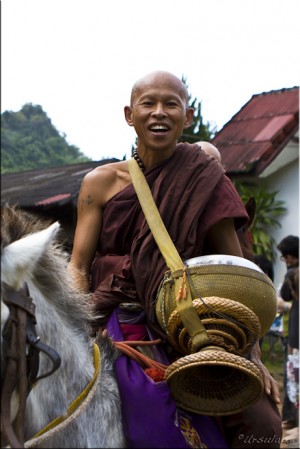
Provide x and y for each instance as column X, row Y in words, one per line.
column 150, row 416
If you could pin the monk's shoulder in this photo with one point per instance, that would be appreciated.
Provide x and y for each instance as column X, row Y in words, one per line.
column 107, row 180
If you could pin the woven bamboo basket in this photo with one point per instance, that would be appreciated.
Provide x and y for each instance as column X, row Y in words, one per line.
column 224, row 276
column 217, row 380
column 214, row 383
column 229, row 325
column 236, row 302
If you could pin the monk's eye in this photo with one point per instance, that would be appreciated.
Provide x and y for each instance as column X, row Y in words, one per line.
column 171, row 104
column 147, row 103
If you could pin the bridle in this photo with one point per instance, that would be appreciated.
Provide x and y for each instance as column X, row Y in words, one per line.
column 21, row 347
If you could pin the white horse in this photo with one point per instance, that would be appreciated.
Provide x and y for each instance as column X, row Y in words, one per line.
column 30, row 255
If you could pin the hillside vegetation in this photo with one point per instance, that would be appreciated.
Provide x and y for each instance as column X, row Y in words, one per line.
column 29, row 140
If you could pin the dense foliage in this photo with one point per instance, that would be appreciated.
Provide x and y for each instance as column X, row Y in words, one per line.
column 268, row 211
column 198, row 130
column 29, row 141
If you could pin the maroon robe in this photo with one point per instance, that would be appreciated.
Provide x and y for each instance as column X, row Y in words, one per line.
column 192, row 194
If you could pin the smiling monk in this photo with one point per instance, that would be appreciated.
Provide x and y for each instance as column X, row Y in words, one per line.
column 116, row 258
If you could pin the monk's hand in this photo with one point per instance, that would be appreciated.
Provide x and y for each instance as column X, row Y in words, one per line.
column 270, row 384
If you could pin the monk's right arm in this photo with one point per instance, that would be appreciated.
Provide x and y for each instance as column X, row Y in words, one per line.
column 88, row 228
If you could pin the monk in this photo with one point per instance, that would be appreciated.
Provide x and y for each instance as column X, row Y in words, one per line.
column 116, row 258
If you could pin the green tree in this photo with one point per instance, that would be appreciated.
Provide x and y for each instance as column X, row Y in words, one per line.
column 198, row 129
column 29, row 141
column 268, row 210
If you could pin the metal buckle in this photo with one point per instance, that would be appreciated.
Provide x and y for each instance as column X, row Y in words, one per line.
column 131, row 306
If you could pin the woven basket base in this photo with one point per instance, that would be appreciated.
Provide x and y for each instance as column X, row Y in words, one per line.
column 214, row 382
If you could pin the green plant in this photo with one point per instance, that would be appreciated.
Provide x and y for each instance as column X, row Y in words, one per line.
column 199, row 130
column 29, row 140
column 268, row 210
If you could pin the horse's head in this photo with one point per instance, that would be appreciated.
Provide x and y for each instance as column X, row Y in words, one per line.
column 20, row 257
column 20, row 253
column 46, row 322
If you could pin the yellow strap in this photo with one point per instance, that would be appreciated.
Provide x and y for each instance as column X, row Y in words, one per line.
column 75, row 404
column 186, row 310
column 160, row 234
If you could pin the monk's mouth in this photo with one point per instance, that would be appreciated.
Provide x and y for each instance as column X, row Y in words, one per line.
column 159, row 129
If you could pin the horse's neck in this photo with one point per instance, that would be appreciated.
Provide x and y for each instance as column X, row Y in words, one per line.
column 75, row 350
column 56, row 327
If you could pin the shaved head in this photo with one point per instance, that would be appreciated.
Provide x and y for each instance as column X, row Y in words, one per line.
column 160, row 78
column 210, row 149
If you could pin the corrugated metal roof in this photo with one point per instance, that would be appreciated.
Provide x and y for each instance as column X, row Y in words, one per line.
column 254, row 136
column 47, row 186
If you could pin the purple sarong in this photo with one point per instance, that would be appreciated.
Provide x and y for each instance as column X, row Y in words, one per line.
column 150, row 415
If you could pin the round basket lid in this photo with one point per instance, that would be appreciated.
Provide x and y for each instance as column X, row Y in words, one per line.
column 222, row 259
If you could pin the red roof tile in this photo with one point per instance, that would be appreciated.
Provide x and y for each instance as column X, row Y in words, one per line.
column 253, row 138
column 275, row 126
column 53, row 199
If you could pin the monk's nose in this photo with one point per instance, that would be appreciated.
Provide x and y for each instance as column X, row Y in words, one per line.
column 159, row 110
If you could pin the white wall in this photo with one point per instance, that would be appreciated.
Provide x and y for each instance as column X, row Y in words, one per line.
column 286, row 182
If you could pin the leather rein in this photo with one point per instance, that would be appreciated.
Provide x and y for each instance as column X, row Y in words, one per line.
column 21, row 347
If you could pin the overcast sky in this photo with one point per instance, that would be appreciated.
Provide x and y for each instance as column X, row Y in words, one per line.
column 78, row 59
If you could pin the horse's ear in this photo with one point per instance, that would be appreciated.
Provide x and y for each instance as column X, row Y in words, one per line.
column 250, row 207
column 19, row 259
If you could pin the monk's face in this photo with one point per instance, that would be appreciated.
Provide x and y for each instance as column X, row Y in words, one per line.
column 159, row 111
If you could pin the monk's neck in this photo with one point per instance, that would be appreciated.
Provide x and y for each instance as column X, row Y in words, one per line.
column 150, row 157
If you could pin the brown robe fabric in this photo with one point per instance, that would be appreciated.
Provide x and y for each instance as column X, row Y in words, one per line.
column 192, row 193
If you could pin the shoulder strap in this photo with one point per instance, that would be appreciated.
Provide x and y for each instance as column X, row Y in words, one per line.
column 158, row 229
column 184, row 304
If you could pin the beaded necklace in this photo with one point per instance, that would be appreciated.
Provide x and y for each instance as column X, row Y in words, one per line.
column 136, row 156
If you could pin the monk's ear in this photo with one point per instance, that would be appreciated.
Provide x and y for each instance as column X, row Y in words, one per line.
column 189, row 117
column 128, row 115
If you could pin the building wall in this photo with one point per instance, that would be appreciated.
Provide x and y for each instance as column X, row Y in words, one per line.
column 286, row 182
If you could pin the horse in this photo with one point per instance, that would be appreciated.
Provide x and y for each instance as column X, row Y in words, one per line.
column 72, row 399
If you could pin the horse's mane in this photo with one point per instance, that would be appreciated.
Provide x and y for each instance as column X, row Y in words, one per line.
column 51, row 274
column 16, row 223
